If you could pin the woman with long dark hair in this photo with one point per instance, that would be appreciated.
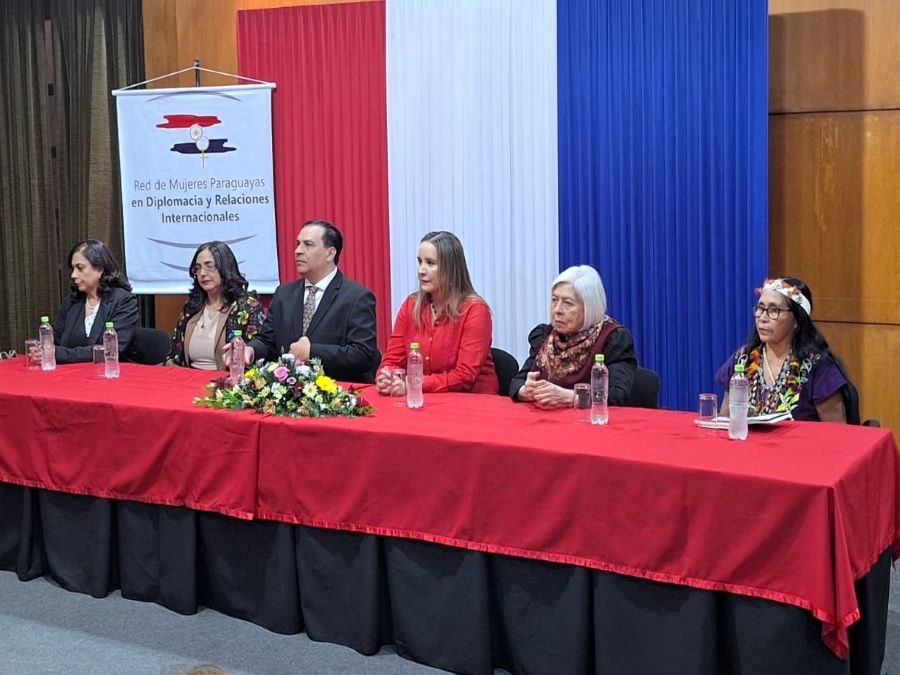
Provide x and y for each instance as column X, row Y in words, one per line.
column 786, row 359
column 218, row 305
column 449, row 320
column 100, row 293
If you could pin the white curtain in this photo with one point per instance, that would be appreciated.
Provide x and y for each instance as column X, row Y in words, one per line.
column 472, row 148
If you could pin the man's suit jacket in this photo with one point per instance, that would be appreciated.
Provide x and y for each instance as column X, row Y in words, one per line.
column 341, row 333
column 73, row 346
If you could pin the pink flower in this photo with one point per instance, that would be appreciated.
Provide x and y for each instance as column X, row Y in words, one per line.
column 280, row 373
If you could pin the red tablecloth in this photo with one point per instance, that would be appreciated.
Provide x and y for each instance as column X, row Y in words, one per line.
column 138, row 437
column 795, row 514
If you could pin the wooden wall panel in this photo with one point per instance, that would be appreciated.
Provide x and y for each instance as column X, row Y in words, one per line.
column 870, row 352
column 827, row 55
column 834, row 207
column 834, row 171
column 175, row 33
column 160, row 39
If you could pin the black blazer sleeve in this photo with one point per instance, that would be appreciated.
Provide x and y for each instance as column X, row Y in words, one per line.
column 352, row 358
column 535, row 339
column 622, row 363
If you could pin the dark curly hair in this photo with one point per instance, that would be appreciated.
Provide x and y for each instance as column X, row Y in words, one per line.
column 98, row 255
column 234, row 284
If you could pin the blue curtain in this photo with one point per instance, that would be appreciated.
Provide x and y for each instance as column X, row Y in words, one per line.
column 663, row 172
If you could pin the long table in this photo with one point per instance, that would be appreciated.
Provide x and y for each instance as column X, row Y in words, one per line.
column 797, row 514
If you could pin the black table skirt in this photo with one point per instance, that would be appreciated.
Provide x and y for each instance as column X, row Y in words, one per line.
column 451, row 608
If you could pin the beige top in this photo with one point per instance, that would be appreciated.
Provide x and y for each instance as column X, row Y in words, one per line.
column 204, row 336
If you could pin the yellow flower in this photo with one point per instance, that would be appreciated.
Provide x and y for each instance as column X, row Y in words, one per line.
column 252, row 373
column 326, row 384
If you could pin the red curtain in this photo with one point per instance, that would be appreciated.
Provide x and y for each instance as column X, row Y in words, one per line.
column 329, row 130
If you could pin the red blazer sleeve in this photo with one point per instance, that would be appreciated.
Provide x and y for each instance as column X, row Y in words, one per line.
column 475, row 333
column 397, row 347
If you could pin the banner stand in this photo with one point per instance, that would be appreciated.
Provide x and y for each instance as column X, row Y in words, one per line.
column 197, row 70
column 196, row 166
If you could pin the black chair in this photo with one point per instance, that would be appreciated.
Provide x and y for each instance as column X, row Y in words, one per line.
column 506, row 366
column 150, row 346
column 851, row 407
column 645, row 390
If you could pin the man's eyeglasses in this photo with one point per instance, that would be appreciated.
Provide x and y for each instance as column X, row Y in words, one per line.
column 209, row 268
column 771, row 311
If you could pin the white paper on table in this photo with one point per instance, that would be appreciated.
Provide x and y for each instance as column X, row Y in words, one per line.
column 722, row 422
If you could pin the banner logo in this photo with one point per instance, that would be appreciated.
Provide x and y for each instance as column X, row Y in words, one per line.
column 200, row 143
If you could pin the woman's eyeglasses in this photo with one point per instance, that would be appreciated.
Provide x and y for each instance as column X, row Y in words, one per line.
column 209, row 268
column 771, row 311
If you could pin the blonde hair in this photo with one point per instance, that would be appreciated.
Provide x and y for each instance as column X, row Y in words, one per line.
column 454, row 282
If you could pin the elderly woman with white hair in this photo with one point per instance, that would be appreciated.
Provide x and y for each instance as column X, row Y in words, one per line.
column 562, row 352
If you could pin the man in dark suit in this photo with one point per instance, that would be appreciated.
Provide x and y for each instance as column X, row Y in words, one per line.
column 323, row 315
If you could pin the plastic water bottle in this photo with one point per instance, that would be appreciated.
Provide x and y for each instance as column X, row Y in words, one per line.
column 738, row 401
column 110, row 351
column 415, row 374
column 599, row 391
column 48, row 346
column 236, row 367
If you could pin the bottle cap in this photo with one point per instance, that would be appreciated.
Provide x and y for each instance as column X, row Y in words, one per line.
column 739, row 368
column 413, row 345
column 109, row 324
column 599, row 358
column 238, row 333
column 45, row 319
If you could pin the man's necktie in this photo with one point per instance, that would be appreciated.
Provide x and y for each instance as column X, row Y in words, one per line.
column 309, row 307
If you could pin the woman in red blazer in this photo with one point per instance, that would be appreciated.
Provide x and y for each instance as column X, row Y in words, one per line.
column 449, row 320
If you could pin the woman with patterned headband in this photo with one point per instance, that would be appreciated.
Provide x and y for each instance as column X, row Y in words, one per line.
column 787, row 360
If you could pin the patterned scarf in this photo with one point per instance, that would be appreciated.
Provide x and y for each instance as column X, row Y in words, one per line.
column 563, row 359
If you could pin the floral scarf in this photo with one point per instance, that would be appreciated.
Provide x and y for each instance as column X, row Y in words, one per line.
column 563, row 359
column 784, row 394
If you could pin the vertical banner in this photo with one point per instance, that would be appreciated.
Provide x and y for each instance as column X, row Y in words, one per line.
column 196, row 166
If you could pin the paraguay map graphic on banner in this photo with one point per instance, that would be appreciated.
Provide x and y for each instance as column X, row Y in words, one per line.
column 196, row 166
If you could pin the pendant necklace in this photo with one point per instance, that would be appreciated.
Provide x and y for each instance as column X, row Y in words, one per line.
column 207, row 316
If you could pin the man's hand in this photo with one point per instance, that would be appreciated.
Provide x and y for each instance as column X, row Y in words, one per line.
column 300, row 349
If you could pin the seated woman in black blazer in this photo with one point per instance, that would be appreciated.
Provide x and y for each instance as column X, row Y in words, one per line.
column 100, row 293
